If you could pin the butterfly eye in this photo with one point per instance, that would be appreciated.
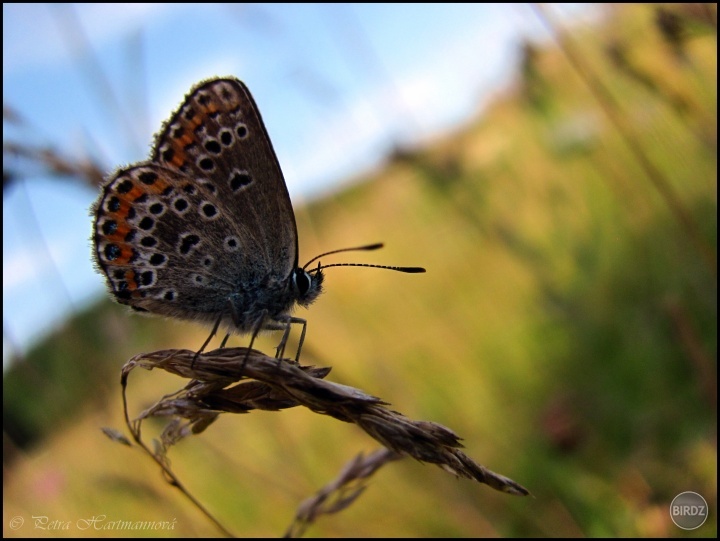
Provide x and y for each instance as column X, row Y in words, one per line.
column 301, row 282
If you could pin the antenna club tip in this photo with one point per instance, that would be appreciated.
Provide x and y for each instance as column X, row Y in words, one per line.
column 375, row 246
column 413, row 270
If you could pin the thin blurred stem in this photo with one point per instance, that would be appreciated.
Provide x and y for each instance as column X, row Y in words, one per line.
column 134, row 428
column 612, row 110
column 341, row 492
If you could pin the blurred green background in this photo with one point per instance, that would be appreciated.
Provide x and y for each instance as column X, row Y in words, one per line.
column 566, row 327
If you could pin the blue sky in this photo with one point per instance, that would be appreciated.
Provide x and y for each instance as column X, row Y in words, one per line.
column 338, row 86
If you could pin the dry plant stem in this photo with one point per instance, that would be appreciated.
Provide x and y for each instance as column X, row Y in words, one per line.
column 341, row 492
column 56, row 164
column 161, row 459
column 278, row 384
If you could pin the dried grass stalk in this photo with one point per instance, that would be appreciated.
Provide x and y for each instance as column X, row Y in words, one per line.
column 239, row 380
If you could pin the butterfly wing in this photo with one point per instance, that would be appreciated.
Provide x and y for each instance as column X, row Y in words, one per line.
column 206, row 219
column 218, row 138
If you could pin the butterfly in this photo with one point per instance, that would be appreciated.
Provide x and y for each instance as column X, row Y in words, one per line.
column 204, row 230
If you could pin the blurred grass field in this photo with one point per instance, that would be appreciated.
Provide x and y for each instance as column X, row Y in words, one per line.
column 566, row 329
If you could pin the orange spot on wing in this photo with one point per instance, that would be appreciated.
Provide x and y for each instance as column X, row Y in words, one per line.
column 178, row 158
column 159, row 186
column 130, row 279
column 126, row 253
column 133, row 194
column 123, row 228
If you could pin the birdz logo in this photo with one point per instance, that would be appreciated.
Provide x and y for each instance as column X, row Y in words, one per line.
column 689, row 510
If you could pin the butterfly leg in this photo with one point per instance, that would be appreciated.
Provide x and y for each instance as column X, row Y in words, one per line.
column 212, row 333
column 302, row 335
column 280, row 349
column 285, row 324
column 256, row 328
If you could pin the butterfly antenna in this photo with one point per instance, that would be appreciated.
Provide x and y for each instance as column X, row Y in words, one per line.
column 399, row 269
column 369, row 247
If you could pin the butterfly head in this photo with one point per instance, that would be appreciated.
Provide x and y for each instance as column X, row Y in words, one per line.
column 306, row 286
